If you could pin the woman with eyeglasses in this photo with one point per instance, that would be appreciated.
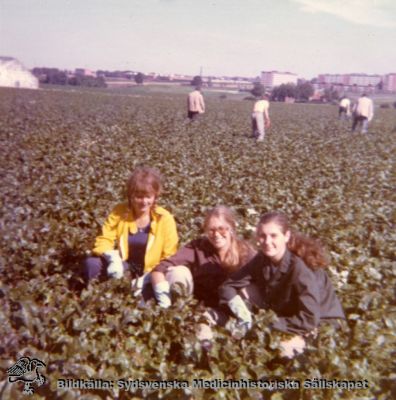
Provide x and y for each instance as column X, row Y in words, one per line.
column 205, row 263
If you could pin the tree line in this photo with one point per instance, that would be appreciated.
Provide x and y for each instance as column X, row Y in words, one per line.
column 55, row 76
column 300, row 92
column 303, row 91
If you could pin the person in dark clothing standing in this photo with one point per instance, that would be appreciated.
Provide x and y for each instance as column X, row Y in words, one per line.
column 290, row 280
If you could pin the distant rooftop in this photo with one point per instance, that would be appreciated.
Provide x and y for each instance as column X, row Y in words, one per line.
column 352, row 74
column 279, row 72
column 5, row 58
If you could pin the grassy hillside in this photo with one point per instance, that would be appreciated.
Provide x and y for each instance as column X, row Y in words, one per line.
column 65, row 156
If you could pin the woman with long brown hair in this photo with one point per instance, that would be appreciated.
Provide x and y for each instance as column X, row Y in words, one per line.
column 289, row 275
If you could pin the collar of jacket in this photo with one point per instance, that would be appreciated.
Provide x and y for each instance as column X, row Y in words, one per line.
column 155, row 215
column 285, row 262
column 281, row 268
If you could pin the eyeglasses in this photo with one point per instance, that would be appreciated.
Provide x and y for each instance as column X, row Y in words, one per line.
column 221, row 229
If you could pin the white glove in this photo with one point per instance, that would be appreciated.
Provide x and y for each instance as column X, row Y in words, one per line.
column 139, row 283
column 162, row 294
column 115, row 269
column 239, row 308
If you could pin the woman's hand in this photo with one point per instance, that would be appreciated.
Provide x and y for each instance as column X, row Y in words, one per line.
column 240, row 310
column 115, row 268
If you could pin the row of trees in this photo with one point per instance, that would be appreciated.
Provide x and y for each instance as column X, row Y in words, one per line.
column 55, row 76
column 196, row 81
column 139, row 77
column 301, row 92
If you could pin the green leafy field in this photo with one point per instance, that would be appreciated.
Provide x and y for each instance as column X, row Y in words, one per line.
column 64, row 158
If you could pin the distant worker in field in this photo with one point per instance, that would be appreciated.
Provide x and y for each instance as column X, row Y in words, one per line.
column 136, row 236
column 260, row 118
column 363, row 113
column 344, row 109
column 195, row 103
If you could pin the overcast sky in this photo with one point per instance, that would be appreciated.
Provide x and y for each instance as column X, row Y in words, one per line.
column 224, row 37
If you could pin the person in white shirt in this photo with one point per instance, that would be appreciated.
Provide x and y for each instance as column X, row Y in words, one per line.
column 363, row 113
column 260, row 118
column 195, row 103
column 344, row 109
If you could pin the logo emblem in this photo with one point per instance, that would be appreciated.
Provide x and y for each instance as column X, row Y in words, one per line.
column 26, row 370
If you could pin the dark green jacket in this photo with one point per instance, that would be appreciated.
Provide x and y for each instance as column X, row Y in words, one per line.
column 301, row 297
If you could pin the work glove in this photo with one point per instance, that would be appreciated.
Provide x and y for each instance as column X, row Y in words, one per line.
column 240, row 310
column 139, row 283
column 162, row 294
column 115, row 268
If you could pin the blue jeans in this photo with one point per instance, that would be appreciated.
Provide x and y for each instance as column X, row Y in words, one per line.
column 95, row 268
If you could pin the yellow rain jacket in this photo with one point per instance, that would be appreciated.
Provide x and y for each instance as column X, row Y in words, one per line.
column 162, row 239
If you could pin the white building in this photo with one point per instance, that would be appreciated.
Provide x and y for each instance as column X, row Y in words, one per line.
column 224, row 83
column 271, row 79
column 390, row 82
column 351, row 82
column 364, row 80
column 14, row 74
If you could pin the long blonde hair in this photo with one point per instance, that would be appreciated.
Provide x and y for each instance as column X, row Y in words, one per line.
column 240, row 250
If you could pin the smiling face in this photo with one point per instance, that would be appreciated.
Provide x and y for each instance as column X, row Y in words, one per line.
column 143, row 188
column 142, row 202
column 219, row 233
column 273, row 241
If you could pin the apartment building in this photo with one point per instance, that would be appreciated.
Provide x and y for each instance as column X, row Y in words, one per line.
column 390, row 83
column 358, row 82
column 271, row 79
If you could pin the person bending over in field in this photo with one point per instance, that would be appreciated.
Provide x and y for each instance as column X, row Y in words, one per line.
column 290, row 279
column 260, row 118
column 204, row 264
column 137, row 234
column 344, row 108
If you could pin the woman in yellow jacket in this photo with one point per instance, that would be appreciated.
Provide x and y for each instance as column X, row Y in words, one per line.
column 137, row 234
